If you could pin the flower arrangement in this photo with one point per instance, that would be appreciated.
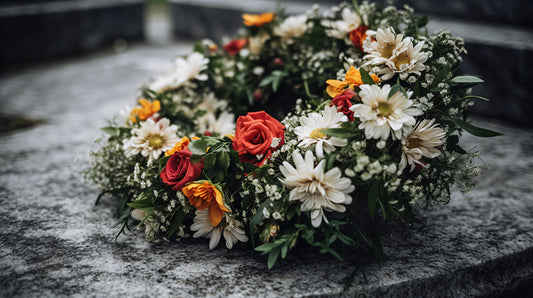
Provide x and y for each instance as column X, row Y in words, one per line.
column 371, row 107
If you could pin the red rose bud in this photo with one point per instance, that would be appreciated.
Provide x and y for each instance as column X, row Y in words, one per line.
column 257, row 135
column 278, row 61
column 208, row 133
column 258, row 95
column 180, row 170
column 234, row 47
column 343, row 103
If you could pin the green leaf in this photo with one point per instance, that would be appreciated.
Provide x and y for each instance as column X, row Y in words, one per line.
column 273, row 257
column 334, row 253
column 209, row 161
column 373, row 197
column 365, row 77
column 339, row 132
column 377, row 247
column 223, row 161
column 267, row 247
column 468, row 80
column 110, row 130
column 474, row 130
column 475, row 96
column 198, row 147
column 284, row 249
column 179, row 216
column 395, row 89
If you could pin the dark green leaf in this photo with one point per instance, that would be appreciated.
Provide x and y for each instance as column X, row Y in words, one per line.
column 223, row 161
column 334, row 253
column 273, row 257
column 267, row 247
column 475, row 96
column 179, row 216
column 376, row 246
column 395, row 89
column 365, row 77
column 209, row 161
column 474, row 130
column 284, row 249
column 373, row 197
column 110, row 130
column 198, row 147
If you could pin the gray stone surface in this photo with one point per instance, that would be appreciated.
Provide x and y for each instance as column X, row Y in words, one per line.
column 32, row 31
column 55, row 242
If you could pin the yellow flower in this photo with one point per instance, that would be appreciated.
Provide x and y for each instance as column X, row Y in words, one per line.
column 206, row 195
column 146, row 110
column 352, row 79
column 257, row 19
column 182, row 144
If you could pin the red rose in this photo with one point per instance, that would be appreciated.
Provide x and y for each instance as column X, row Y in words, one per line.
column 257, row 136
column 233, row 47
column 180, row 170
column 343, row 103
column 358, row 36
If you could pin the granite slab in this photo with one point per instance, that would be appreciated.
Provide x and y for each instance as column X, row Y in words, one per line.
column 55, row 242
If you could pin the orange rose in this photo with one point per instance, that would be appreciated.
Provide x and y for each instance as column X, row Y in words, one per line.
column 257, row 19
column 146, row 110
column 257, row 135
column 206, row 195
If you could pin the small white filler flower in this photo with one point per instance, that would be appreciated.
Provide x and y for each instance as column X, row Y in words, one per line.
column 315, row 190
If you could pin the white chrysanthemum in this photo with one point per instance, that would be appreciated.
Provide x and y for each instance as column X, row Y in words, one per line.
column 395, row 54
column 223, row 125
column 315, row 190
column 309, row 131
column 151, row 139
column 381, row 115
column 230, row 228
column 421, row 142
column 211, row 103
column 183, row 71
column 293, row 26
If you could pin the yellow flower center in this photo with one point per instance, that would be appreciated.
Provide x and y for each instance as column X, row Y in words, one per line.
column 387, row 50
column 317, row 134
column 413, row 143
column 384, row 109
column 402, row 58
column 155, row 142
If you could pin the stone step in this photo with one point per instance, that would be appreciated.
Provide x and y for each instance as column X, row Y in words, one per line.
column 501, row 54
column 35, row 30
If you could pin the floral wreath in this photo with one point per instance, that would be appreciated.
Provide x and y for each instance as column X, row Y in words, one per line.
column 371, row 108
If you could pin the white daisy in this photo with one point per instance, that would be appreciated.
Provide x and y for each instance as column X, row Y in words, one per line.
column 223, row 125
column 421, row 142
column 230, row 228
column 349, row 21
column 380, row 115
column 184, row 70
column 151, row 139
column 397, row 55
column 317, row 191
column 293, row 26
column 309, row 131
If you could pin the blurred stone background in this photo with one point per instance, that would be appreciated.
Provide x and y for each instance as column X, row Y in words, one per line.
column 68, row 65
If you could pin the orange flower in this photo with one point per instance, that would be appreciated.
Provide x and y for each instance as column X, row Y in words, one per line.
column 352, row 79
column 182, row 144
column 234, row 47
column 358, row 35
column 146, row 110
column 257, row 19
column 206, row 195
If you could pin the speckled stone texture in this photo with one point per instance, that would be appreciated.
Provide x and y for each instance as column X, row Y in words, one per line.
column 55, row 242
